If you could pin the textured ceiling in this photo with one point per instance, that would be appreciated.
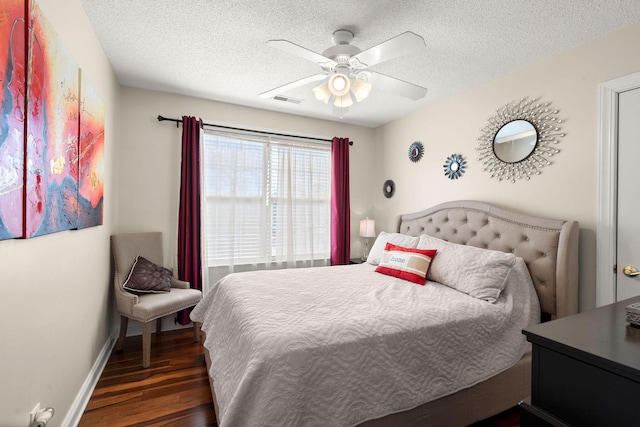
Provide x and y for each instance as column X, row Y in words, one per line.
column 215, row 49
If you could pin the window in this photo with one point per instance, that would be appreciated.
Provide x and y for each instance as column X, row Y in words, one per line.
column 267, row 201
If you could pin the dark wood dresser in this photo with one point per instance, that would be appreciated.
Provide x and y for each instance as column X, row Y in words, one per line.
column 585, row 370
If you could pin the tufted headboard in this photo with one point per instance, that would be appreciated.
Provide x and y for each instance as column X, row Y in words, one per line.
column 549, row 247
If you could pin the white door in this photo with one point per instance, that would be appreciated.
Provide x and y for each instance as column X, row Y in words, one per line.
column 628, row 233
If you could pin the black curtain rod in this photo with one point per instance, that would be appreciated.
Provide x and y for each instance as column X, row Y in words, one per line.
column 162, row 119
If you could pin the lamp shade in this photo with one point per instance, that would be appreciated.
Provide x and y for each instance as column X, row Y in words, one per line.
column 367, row 227
column 343, row 101
column 322, row 92
column 360, row 89
column 339, row 85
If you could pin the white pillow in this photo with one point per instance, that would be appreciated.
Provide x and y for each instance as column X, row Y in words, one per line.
column 480, row 273
column 375, row 254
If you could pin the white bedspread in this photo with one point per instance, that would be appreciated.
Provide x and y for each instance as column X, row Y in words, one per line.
column 336, row 346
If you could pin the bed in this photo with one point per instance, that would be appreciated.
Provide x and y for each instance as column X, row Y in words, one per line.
column 357, row 347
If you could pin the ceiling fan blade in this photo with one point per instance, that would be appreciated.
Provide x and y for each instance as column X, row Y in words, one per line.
column 397, row 86
column 393, row 48
column 302, row 52
column 295, row 84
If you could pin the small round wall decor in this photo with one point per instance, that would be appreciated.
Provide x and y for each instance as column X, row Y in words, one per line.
column 454, row 166
column 416, row 150
column 389, row 189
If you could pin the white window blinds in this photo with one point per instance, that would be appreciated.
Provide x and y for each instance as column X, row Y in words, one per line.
column 267, row 201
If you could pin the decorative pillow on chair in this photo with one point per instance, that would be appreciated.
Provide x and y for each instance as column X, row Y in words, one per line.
column 481, row 273
column 147, row 277
column 383, row 238
column 406, row 263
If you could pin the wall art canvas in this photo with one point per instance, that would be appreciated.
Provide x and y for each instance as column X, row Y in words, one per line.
column 51, row 147
column 51, row 184
column 90, row 157
column 12, row 113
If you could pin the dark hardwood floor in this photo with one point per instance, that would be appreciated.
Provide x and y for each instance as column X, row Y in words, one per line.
column 174, row 390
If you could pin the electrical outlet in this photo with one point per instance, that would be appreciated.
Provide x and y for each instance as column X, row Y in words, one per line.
column 34, row 413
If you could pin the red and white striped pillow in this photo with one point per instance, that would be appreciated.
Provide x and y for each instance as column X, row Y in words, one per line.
column 406, row 263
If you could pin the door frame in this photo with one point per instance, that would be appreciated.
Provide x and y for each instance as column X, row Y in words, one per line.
column 606, row 197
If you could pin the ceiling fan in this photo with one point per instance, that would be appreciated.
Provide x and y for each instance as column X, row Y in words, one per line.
column 346, row 75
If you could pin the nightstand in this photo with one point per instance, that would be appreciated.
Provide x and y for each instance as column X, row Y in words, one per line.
column 585, row 370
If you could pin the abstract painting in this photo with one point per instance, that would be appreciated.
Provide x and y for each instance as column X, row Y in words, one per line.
column 51, row 138
column 51, row 195
column 90, row 157
column 12, row 111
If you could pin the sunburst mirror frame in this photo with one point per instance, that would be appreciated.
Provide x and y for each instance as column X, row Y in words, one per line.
column 545, row 122
column 454, row 166
column 416, row 151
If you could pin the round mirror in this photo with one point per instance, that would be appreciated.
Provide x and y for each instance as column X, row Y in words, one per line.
column 515, row 141
column 416, row 150
column 519, row 140
column 454, row 166
column 389, row 188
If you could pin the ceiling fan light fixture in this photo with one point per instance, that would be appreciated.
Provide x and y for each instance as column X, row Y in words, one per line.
column 360, row 89
column 339, row 85
column 322, row 92
column 343, row 101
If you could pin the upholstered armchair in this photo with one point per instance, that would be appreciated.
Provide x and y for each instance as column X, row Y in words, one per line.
column 148, row 305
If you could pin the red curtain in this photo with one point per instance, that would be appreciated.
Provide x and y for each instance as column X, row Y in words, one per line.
column 340, row 206
column 189, row 253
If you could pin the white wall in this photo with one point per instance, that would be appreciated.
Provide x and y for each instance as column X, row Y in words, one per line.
column 149, row 157
column 565, row 190
column 55, row 294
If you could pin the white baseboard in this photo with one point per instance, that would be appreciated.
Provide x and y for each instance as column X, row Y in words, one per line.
column 82, row 398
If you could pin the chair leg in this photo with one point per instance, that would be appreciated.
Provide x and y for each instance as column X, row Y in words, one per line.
column 124, row 323
column 146, row 344
column 158, row 325
column 196, row 330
